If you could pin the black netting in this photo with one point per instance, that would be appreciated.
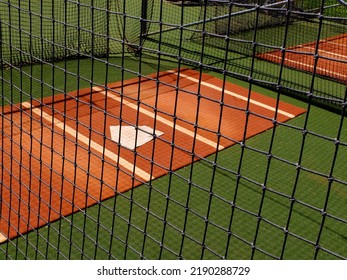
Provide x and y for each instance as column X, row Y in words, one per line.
column 173, row 129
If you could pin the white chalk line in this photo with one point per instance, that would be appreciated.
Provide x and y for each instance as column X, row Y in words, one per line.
column 311, row 66
column 85, row 140
column 159, row 118
column 238, row 96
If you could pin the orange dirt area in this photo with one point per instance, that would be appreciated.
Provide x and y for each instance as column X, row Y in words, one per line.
column 331, row 58
column 58, row 155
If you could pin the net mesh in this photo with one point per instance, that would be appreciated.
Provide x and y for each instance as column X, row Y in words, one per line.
column 252, row 28
column 36, row 31
column 173, row 129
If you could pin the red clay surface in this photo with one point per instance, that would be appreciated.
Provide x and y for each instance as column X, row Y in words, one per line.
column 332, row 60
column 49, row 170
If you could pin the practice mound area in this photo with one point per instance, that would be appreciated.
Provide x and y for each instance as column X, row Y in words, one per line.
column 332, row 57
column 64, row 153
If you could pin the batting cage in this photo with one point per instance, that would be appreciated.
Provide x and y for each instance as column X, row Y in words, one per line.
column 164, row 129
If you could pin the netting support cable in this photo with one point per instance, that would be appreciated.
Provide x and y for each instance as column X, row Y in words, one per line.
column 216, row 18
column 275, row 124
column 174, row 131
column 330, row 179
column 211, row 19
column 302, row 148
column 343, row 2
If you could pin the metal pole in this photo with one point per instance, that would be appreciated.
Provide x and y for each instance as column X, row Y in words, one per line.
column 144, row 10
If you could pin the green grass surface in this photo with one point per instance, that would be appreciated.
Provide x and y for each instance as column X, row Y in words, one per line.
column 36, row 41
column 149, row 221
column 205, row 210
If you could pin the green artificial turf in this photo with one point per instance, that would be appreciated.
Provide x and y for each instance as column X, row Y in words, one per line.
column 251, row 201
column 206, row 210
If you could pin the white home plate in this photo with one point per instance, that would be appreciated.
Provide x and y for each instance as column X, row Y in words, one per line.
column 128, row 135
column 2, row 238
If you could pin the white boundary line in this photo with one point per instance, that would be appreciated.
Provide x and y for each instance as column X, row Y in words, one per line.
column 331, row 41
column 85, row 140
column 254, row 102
column 309, row 66
column 327, row 52
column 323, row 41
column 3, row 238
column 158, row 118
